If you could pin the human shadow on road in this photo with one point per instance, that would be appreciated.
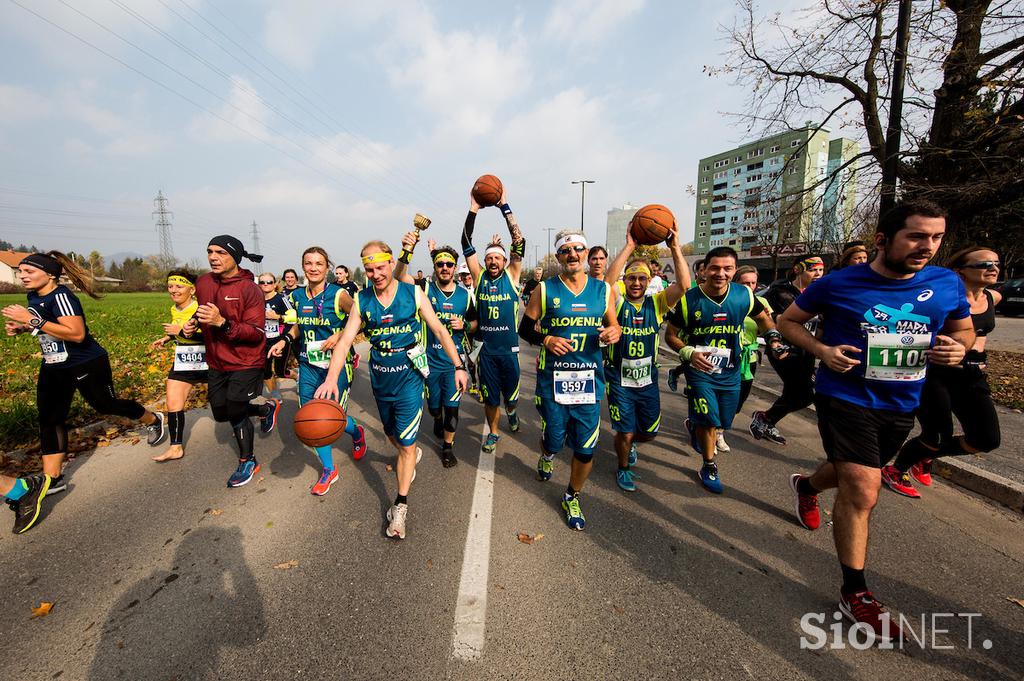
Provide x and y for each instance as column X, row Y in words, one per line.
column 174, row 623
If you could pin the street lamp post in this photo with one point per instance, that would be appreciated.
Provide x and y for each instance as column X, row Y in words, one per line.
column 549, row 230
column 583, row 196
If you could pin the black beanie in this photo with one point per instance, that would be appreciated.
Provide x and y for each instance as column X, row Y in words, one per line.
column 234, row 247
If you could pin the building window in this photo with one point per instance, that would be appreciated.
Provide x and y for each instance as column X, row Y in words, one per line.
column 774, row 149
column 755, row 166
column 737, row 171
column 795, row 143
column 720, row 185
column 734, row 219
column 704, row 211
column 717, row 232
column 716, row 209
column 792, row 170
column 707, row 167
column 719, row 175
column 706, row 178
column 739, row 159
column 703, row 223
column 719, row 197
column 751, row 191
column 717, row 221
column 754, row 178
column 704, row 191
column 723, row 162
column 703, row 202
column 754, row 153
column 702, row 234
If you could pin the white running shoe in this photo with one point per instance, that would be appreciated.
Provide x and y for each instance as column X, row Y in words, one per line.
column 720, row 443
column 396, row 521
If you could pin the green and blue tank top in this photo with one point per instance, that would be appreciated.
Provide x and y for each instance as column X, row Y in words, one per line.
column 577, row 318
column 318, row 317
column 497, row 303
column 447, row 306
column 717, row 329
column 392, row 331
column 633, row 361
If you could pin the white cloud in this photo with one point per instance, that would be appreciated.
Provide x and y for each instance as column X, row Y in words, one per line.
column 21, row 104
column 244, row 116
column 360, row 157
column 587, row 22
column 295, row 34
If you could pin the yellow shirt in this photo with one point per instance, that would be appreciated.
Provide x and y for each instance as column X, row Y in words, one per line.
column 179, row 317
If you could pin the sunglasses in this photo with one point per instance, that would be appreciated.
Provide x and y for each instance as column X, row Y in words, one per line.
column 267, row 283
column 566, row 250
column 983, row 265
column 446, row 265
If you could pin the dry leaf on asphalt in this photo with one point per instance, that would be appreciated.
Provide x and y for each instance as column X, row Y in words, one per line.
column 133, row 441
column 389, row 467
column 103, row 443
column 216, row 511
column 527, row 539
column 1018, row 601
column 43, row 610
column 288, row 565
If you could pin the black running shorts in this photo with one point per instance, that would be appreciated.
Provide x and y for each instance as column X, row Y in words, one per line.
column 855, row 434
column 234, row 386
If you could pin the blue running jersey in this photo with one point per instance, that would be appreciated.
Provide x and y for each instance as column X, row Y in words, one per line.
column 318, row 318
column 892, row 322
column 455, row 305
column 391, row 331
column 633, row 361
column 497, row 302
column 578, row 376
column 708, row 324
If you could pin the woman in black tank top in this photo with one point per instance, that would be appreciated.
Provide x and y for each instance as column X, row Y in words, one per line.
column 961, row 390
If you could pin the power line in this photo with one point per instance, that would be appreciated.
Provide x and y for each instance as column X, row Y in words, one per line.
column 163, row 226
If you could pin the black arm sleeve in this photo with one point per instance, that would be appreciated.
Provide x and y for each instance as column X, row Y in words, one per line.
column 471, row 312
column 757, row 309
column 467, row 231
column 528, row 331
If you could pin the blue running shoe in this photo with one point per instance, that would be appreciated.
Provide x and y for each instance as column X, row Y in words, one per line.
column 544, row 468
column 268, row 422
column 573, row 515
column 632, row 456
column 490, row 442
column 709, row 477
column 243, row 474
column 513, row 421
column 624, row 478
column 673, row 380
column 694, row 442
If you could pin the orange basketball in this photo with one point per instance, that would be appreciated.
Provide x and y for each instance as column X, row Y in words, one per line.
column 487, row 190
column 652, row 224
column 319, row 422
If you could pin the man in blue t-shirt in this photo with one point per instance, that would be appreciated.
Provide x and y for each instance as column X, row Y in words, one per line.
column 884, row 322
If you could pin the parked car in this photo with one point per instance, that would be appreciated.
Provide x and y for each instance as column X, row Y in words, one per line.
column 1013, row 298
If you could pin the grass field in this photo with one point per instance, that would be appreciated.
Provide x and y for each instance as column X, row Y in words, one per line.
column 125, row 324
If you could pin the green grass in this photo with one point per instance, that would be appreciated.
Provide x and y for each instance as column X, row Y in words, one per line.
column 123, row 323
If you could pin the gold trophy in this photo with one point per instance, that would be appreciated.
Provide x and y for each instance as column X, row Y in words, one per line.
column 420, row 222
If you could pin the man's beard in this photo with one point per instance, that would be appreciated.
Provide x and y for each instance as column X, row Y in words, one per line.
column 900, row 266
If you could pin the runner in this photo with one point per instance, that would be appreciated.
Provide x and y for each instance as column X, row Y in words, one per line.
column 597, row 261
column 454, row 307
column 885, row 322
column 277, row 329
column 575, row 314
column 291, row 282
column 317, row 315
column 341, row 278
column 711, row 316
column 528, row 287
column 796, row 369
column 960, row 390
column 853, row 254
column 72, row 361
column 746, row 275
column 497, row 299
column 231, row 318
column 631, row 366
column 392, row 313
column 189, row 366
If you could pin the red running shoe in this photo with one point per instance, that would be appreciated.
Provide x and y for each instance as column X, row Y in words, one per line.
column 899, row 482
column 355, row 362
column 359, row 445
column 327, row 478
column 922, row 472
column 806, row 504
column 862, row 608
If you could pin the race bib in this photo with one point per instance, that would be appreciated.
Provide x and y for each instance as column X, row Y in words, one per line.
column 272, row 327
column 636, row 373
column 720, row 358
column 317, row 357
column 190, row 358
column 418, row 356
column 575, row 387
column 53, row 349
column 897, row 356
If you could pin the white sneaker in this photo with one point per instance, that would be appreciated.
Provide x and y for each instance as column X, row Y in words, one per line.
column 396, row 521
column 720, row 443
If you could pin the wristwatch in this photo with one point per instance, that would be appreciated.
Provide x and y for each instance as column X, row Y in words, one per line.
column 36, row 321
column 462, row 367
column 226, row 325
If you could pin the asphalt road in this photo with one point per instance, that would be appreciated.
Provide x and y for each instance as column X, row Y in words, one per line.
column 161, row 572
column 1008, row 335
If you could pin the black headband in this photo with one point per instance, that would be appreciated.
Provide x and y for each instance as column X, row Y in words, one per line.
column 234, row 247
column 46, row 263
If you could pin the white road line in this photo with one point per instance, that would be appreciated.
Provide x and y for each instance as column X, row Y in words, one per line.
column 469, row 631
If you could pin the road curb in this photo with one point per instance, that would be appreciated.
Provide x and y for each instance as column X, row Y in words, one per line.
column 989, row 485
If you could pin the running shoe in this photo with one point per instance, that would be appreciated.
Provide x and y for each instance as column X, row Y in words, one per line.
column 762, row 430
column 673, row 380
column 624, row 479
column 922, row 472
column 323, row 485
column 573, row 514
column 898, row 482
column 359, row 445
column 448, row 457
column 355, row 362
column 490, row 442
column 513, row 421
column 243, row 474
column 720, row 444
column 27, row 508
column 157, row 430
column 438, row 428
column 544, row 468
column 396, row 521
column 807, row 511
column 268, row 421
column 709, row 477
column 862, row 608
column 694, row 442
column 631, row 461
column 57, row 485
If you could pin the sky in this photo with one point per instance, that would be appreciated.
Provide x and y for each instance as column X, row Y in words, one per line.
column 333, row 122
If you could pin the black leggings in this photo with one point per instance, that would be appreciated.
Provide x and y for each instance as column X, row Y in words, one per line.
column 962, row 392
column 797, row 374
column 57, row 388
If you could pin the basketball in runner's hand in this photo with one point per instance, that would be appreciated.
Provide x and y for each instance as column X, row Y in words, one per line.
column 652, row 224
column 487, row 190
column 319, row 422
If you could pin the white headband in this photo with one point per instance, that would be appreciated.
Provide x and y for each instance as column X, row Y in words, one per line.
column 571, row 239
column 496, row 249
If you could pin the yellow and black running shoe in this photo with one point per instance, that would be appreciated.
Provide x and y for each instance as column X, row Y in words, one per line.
column 27, row 508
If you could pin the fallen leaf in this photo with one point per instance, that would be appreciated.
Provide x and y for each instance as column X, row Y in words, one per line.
column 133, row 441
column 43, row 610
column 103, row 443
column 288, row 565
column 110, row 431
column 618, row 609
column 527, row 539
column 259, row 480
column 216, row 511
column 389, row 467
column 430, row 563
column 1018, row 601
column 270, row 524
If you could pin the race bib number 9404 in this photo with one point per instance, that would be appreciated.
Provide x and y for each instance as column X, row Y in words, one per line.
column 190, row 358
column 897, row 356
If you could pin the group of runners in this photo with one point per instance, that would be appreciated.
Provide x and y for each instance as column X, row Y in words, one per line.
column 893, row 338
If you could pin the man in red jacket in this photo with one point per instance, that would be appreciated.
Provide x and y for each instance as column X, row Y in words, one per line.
column 231, row 312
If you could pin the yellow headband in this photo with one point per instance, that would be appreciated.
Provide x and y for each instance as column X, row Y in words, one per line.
column 444, row 256
column 638, row 268
column 178, row 279
column 810, row 263
column 374, row 258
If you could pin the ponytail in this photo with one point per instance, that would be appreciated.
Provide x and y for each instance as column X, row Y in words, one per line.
column 78, row 276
